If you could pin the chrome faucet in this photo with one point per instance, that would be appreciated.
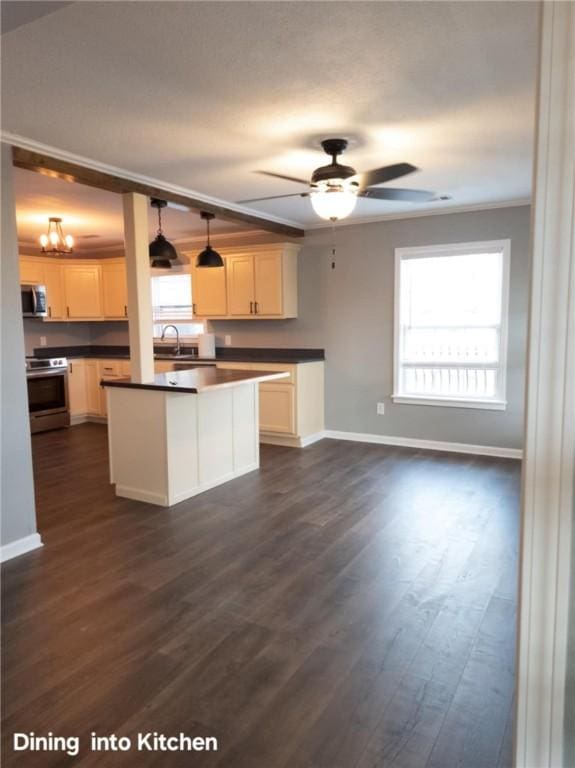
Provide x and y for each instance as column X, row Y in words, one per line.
column 164, row 329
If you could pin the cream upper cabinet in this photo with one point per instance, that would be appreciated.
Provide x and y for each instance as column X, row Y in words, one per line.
column 31, row 271
column 115, row 291
column 56, row 303
column 83, row 288
column 77, row 390
column 209, row 291
column 262, row 281
column 241, row 286
column 268, row 274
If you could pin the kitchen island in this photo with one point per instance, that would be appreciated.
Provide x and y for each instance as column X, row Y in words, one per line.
column 183, row 432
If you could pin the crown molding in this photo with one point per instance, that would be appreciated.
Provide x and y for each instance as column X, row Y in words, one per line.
column 518, row 203
column 31, row 145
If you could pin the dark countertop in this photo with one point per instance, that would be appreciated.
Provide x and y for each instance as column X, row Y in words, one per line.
column 223, row 354
column 196, row 380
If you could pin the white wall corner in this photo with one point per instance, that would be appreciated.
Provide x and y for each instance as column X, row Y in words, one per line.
column 20, row 547
column 548, row 489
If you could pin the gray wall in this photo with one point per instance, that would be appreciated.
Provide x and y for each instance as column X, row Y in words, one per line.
column 18, row 514
column 349, row 311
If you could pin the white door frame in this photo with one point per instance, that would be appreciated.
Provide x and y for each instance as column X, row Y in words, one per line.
column 549, row 454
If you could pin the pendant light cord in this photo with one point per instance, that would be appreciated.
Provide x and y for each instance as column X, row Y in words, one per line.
column 159, row 221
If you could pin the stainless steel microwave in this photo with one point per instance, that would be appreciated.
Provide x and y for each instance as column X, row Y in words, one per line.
column 34, row 300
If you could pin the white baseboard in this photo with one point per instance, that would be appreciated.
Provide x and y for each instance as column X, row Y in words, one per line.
column 291, row 442
column 425, row 445
column 20, row 547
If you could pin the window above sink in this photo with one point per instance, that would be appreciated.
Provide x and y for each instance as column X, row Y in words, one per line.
column 172, row 305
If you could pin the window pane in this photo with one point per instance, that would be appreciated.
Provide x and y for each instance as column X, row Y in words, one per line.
column 172, row 297
column 449, row 334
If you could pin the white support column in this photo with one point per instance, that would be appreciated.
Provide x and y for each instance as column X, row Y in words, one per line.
column 549, row 456
column 139, row 287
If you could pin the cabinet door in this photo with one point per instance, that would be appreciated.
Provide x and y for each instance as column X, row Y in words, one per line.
column 269, row 283
column 115, row 291
column 31, row 271
column 277, row 408
column 209, row 291
column 163, row 366
column 241, row 293
column 77, row 390
column 54, row 291
column 92, row 388
column 83, row 291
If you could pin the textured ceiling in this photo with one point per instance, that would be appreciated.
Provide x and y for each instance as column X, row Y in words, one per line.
column 202, row 94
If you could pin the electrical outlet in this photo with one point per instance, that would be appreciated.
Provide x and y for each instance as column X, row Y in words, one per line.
column 380, row 409
column 42, row 341
column 228, row 341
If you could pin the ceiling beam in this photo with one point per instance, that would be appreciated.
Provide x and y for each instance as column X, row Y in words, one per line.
column 63, row 169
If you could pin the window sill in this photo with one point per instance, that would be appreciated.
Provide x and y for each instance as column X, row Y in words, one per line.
column 487, row 405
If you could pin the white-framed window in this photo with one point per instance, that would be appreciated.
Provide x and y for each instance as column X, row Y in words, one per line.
column 451, row 307
column 172, row 305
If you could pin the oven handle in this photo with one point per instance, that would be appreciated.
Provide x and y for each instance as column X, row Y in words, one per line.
column 36, row 374
column 34, row 301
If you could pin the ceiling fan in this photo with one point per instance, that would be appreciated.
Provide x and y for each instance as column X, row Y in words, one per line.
column 334, row 188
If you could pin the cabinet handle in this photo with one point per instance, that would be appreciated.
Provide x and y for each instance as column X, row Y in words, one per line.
column 67, row 311
column 70, row 368
column 49, row 311
column 251, row 307
column 125, row 311
column 256, row 306
column 193, row 309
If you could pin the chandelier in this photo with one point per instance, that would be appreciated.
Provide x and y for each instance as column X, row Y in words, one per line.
column 55, row 241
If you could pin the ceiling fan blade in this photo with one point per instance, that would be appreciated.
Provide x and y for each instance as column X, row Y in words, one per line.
column 386, row 173
column 273, row 197
column 407, row 195
column 285, row 178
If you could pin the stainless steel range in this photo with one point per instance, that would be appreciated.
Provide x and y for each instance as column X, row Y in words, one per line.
column 47, row 393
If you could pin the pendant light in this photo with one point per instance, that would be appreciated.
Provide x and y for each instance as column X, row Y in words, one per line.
column 208, row 257
column 55, row 241
column 162, row 252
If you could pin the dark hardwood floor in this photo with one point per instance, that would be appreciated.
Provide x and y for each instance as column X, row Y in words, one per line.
column 346, row 606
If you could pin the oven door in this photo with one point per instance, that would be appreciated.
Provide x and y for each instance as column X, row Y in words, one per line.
column 47, row 400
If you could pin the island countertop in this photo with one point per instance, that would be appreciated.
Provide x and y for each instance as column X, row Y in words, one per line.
column 197, row 380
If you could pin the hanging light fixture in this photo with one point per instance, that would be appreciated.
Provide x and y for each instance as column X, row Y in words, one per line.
column 208, row 257
column 55, row 241
column 334, row 199
column 162, row 252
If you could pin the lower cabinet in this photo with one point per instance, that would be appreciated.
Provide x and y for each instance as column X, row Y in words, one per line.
column 277, row 408
column 92, row 388
column 292, row 408
column 77, row 390
column 86, row 396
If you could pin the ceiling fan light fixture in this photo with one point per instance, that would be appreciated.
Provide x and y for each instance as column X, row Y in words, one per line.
column 208, row 257
column 334, row 201
column 160, row 250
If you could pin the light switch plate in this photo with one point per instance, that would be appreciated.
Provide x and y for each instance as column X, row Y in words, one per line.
column 228, row 341
column 42, row 341
column 380, row 409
